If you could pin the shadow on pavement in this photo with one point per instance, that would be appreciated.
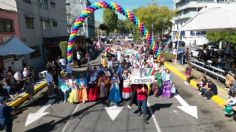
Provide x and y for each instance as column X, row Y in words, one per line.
column 51, row 125
column 157, row 107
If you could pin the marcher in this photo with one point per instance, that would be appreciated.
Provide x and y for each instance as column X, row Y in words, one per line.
column 126, row 91
column 64, row 86
column 73, row 97
column 167, row 84
column 92, row 87
column 102, row 84
column 82, row 91
column 114, row 95
column 142, row 94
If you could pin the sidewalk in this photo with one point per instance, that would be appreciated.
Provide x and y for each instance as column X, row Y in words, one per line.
column 180, row 69
column 24, row 96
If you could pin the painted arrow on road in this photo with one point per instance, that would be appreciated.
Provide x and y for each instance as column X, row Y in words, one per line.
column 113, row 111
column 32, row 117
column 191, row 110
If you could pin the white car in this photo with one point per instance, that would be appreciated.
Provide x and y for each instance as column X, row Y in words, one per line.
column 129, row 38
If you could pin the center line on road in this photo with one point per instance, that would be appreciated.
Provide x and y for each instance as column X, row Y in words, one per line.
column 68, row 122
column 154, row 118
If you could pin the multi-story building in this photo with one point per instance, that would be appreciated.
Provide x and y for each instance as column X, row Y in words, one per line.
column 38, row 21
column 73, row 9
column 186, row 9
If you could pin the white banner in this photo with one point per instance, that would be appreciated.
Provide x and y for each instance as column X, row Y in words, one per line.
column 141, row 80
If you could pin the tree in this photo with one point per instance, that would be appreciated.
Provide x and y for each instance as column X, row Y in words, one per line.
column 110, row 19
column 121, row 26
column 225, row 36
column 63, row 48
column 156, row 18
column 104, row 28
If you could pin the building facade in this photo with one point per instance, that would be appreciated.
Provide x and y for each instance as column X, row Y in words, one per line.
column 73, row 10
column 9, row 25
column 186, row 9
column 40, row 19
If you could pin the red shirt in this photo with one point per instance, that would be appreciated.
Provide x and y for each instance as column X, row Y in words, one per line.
column 141, row 95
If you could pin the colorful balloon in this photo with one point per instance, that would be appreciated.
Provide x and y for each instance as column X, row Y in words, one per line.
column 113, row 6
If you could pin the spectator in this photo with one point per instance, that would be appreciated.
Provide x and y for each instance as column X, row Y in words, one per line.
column 78, row 56
column 6, row 113
column 25, row 72
column 7, row 88
column 63, row 63
column 29, row 87
column 10, row 70
column 69, row 69
column 187, row 55
column 209, row 90
column 202, row 83
column 49, row 80
column 188, row 73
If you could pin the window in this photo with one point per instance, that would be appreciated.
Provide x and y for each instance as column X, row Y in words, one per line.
column 6, row 25
column 46, row 24
column 67, row 4
column 53, row 5
column 36, row 52
column 54, row 24
column 29, row 21
column 43, row 4
column 27, row 1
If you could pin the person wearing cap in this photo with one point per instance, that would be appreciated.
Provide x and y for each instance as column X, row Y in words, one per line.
column 6, row 115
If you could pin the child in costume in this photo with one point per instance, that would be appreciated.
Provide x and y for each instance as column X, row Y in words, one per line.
column 114, row 95
column 82, row 91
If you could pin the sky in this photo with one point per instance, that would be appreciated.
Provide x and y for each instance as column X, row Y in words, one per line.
column 132, row 4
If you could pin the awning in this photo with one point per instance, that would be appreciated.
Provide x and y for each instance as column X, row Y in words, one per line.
column 54, row 41
column 14, row 47
column 213, row 18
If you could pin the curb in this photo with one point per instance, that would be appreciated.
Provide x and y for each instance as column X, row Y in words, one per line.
column 218, row 100
column 25, row 96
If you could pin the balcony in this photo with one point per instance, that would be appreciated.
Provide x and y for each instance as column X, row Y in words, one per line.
column 185, row 16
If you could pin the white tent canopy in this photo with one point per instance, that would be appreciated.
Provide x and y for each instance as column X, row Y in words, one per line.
column 213, row 18
column 14, row 47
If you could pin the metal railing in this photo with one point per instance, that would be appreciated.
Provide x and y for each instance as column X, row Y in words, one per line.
column 208, row 71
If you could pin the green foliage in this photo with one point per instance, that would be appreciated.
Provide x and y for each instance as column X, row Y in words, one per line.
column 104, row 28
column 121, row 26
column 168, row 57
column 225, row 36
column 110, row 19
column 63, row 48
column 158, row 16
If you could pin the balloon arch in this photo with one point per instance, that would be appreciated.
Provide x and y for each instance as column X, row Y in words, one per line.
column 113, row 6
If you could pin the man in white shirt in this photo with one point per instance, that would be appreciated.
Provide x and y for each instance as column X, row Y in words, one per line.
column 78, row 57
column 49, row 80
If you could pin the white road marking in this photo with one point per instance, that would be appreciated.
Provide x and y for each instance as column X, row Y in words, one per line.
column 68, row 122
column 113, row 111
column 191, row 110
column 154, row 118
column 32, row 117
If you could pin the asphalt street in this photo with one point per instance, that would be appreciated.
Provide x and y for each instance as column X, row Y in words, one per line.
column 93, row 117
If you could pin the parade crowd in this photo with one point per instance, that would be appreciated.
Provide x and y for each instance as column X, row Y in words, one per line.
column 112, row 79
